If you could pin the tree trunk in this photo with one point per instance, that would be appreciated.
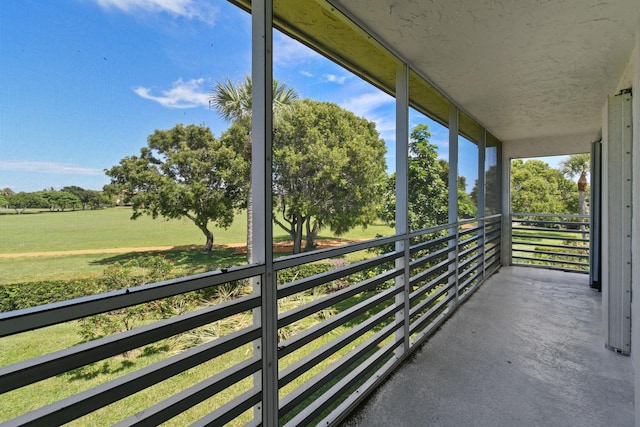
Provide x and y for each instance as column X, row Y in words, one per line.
column 581, row 202
column 311, row 235
column 582, row 190
column 297, row 237
column 208, row 247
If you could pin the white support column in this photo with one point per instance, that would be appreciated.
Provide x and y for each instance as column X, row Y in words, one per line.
column 482, row 191
column 453, row 198
column 261, row 134
column 402, row 201
column 505, row 191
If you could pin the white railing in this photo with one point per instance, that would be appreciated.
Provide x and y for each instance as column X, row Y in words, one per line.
column 341, row 332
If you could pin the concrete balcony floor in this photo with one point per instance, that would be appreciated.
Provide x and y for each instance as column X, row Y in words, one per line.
column 526, row 350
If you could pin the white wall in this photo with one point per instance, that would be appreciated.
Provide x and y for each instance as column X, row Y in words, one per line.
column 635, row 240
column 556, row 145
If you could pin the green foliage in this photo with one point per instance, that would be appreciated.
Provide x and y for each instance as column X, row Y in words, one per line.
column 492, row 192
column 3, row 201
column 88, row 198
column 22, row 201
column 122, row 276
column 328, row 164
column 184, row 172
column 30, row 294
column 60, row 200
column 538, row 188
column 428, row 191
column 301, row 271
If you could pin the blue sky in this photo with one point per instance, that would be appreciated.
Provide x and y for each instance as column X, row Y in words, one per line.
column 84, row 82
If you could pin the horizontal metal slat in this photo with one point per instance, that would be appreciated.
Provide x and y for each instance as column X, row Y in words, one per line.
column 321, row 254
column 430, row 257
column 552, row 261
column 572, row 255
column 39, row 368
column 66, row 410
column 330, row 396
column 422, row 305
column 194, row 395
column 292, row 344
column 301, row 366
column 231, row 410
column 320, row 279
column 428, row 316
column 300, row 394
column 471, row 230
column 313, row 307
column 422, row 246
column 418, row 293
column 530, row 236
column 27, row 319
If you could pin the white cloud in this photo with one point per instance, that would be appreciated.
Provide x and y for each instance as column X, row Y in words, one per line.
column 187, row 94
column 48, row 167
column 191, row 9
column 365, row 104
column 306, row 73
column 288, row 52
column 332, row 78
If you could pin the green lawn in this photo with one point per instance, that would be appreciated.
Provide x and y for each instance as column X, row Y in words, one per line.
column 102, row 229
column 112, row 228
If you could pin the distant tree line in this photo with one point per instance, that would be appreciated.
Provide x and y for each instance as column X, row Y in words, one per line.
column 68, row 198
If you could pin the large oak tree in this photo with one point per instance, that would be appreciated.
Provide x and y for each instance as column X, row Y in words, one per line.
column 327, row 165
column 183, row 172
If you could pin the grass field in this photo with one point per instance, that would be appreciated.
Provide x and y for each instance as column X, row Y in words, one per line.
column 111, row 228
column 58, row 232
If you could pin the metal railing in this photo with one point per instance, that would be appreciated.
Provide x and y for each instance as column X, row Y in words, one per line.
column 340, row 333
column 554, row 241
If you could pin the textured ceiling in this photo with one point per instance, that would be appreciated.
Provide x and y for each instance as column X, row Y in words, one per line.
column 525, row 69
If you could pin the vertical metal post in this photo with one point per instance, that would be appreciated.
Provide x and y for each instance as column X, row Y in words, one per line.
column 482, row 191
column 617, row 217
column 261, row 134
column 595, row 277
column 453, row 199
column 402, row 201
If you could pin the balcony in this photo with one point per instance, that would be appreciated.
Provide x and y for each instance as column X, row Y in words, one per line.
column 334, row 335
column 517, row 80
column 526, row 350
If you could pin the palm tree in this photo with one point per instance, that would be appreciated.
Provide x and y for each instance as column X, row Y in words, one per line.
column 578, row 165
column 233, row 103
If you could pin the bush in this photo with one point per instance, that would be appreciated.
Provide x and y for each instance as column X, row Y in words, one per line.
column 18, row 296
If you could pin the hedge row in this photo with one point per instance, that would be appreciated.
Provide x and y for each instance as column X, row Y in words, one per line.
column 17, row 296
column 30, row 294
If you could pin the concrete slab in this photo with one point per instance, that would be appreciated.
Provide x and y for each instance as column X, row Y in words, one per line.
column 527, row 349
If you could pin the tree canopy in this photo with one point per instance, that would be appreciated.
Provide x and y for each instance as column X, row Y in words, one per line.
column 22, row 201
column 327, row 164
column 183, row 172
column 538, row 188
column 60, row 200
column 428, row 190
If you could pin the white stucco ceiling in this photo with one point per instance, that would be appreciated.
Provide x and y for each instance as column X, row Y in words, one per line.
column 525, row 69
